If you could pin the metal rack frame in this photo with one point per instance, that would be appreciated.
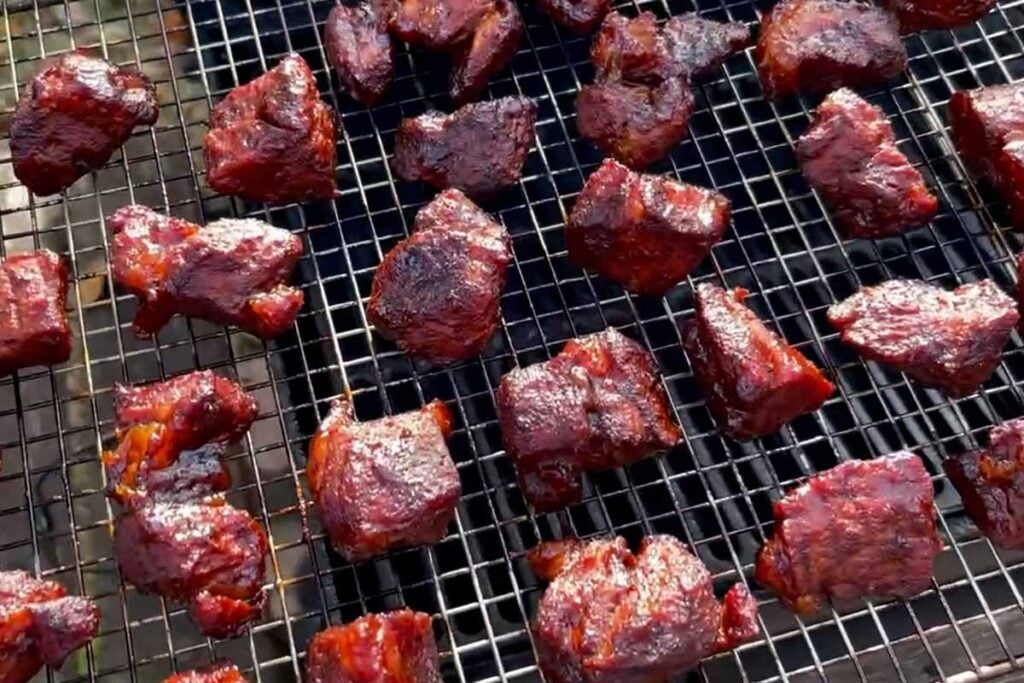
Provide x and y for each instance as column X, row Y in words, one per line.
column 715, row 494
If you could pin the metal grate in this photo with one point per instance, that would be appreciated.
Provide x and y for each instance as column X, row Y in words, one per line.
column 715, row 494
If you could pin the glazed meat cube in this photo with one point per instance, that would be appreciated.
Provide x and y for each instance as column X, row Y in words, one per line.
column 479, row 149
column 230, row 272
column 40, row 625
column 597, row 404
column 922, row 15
column 205, row 553
column 822, row 45
column 493, row 45
column 948, row 340
column 395, row 646
column 272, row 139
column 644, row 231
column 982, row 121
column 633, row 50
column 383, row 484
column 861, row 529
column 34, row 326
column 611, row 615
column 636, row 124
column 437, row 293
column 219, row 672
column 359, row 48
column 753, row 381
column 849, row 156
column 438, row 24
column 581, row 16
column 701, row 45
column 1011, row 171
column 991, row 483
column 72, row 116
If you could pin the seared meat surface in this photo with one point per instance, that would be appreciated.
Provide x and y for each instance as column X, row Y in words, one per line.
column 230, row 272
column 849, row 156
column 597, row 404
column 950, row 340
column 272, row 139
column 632, row 50
column 581, row 16
column 610, row 615
column 821, row 45
column 437, row 292
column 644, row 231
column 72, row 116
column 991, row 484
column 34, row 326
column 479, row 149
column 359, row 48
column 701, row 45
column 393, row 647
column 438, row 24
column 753, row 381
column 922, row 15
column 493, row 45
column 219, row 672
column 861, row 529
column 40, row 625
column 386, row 483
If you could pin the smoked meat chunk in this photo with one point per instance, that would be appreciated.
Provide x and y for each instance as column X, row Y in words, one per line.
column 493, row 45
column 219, row 672
column 359, row 48
column 701, row 45
column 923, row 15
column 34, row 326
column 581, row 16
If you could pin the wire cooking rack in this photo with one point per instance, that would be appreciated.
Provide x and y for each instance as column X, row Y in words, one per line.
column 715, row 494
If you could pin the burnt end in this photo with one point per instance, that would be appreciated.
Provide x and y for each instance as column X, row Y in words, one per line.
column 633, row 50
column 480, row 148
column 34, row 326
column 753, row 381
column 701, row 45
column 493, row 45
column 862, row 529
column 597, row 404
column 849, row 156
column 924, row 15
column 41, row 624
column 990, row 482
column 438, row 24
column 73, row 116
column 644, row 231
column 437, row 292
column 821, row 45
column 230, row 272
column 1011, row 180
column 359, row 48
column 272, row 139
column 205, row 553
column 949, row 340
column 393, row 646
column 218, row 672
column 581, row 16
column 386, row 483
column 647, row 616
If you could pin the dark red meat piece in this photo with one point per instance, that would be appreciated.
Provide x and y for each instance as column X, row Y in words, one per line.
column 72, row 116
column 947, row 340
column 1011, row 171
column 644, row 231
column 272, row 139
column 438, row 24
column 610, row 615
column 493, row 45
column 822, row 45
column 861, row 529
column 163, row 428
column 581, row 16
column 383, row 484
column 849, row 156
column 922, row 15
column 753, row 381
column 219, row 672
column 359, row 48
column 393, row 647
column 437, row 292
column 597, row 404
column 700, row 45
column 230, row 272
column 34, row 326
column 634, row 50
column 479, row 149
column 40, row 625
column 991, row 483
column 205, row 553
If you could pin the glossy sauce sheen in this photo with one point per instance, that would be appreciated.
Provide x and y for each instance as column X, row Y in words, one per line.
column 359, row 48
column 581, row 16
column 219, row 672
column 34, row 326
column 922, row 15
column 493, row 45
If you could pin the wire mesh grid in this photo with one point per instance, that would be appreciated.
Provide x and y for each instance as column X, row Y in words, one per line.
column 715, row 494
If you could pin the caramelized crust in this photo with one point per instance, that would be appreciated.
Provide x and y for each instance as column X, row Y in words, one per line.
column 359, row 48
column 581, row 16
column 219, row 672
column 34, row 326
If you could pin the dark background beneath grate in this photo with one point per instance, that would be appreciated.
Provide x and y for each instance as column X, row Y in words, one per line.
column 713, row 493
